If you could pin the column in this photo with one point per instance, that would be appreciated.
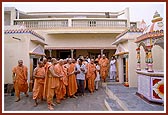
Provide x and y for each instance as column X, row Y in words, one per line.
column 50, row 53
column 127, row 16
column 117, row 72
column 126, row 59
column 72, row 53
column 102, row 52
column 17, row 14
column 138, row 59
column 146, row 60
column 150, row 59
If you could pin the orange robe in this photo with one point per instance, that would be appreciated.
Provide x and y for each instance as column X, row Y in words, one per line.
column 53, row 85
column 45, row 92
column 91, row 75
column 72, row 85
column 97, row 59
column 39, row 83
column 104, row 68
column 60, row 70
column 20, row 84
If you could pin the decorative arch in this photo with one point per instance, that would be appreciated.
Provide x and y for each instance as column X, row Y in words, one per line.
column 143, row 45
column 38, row 50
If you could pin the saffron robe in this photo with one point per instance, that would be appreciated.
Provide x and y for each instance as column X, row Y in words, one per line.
column 104, row 66
column 39, row 83
column 72, row 84
column 20, row 84
column 91, row 75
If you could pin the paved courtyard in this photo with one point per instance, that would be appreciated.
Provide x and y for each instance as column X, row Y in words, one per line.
column 89, row 102
column 110, row 97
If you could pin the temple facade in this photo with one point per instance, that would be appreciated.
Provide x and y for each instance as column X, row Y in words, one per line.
column 150, row 61
column 126, row 54
column 146, row 45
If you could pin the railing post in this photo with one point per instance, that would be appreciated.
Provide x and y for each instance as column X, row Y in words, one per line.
column 69, row 22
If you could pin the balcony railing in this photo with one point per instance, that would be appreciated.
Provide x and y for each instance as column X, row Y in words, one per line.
column 59, row 23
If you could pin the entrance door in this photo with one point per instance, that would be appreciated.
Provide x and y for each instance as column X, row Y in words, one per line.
column 124, row 69
column 63, row 54
column 33, row 65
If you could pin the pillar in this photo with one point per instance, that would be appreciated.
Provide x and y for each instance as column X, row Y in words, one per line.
column 126, row 59
column 17, row 14
column 117, row 77
column 50, row 53
column 127, row 16
column 150, row 59
column 102, row 52
column 138, row 59
column 146, row 60
column 72, row 53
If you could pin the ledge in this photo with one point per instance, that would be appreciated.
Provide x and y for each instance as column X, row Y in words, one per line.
column 151, row 74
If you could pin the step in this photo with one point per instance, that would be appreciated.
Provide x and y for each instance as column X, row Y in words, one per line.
column 128, row 100
column 112, row 96
column 112, row 105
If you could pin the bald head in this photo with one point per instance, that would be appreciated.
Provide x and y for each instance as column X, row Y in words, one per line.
column 53, row 61
column 44, row 60
column 92, row 61
column 61, row 61
column 40, row 63
column 103, row 56
column 20, row 62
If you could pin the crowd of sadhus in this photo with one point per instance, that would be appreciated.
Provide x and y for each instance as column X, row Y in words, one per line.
column 61, row 78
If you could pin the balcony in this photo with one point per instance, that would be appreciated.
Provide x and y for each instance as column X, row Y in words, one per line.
column 75, row 25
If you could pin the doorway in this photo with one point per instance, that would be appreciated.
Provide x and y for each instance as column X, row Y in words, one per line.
column 63, row 54
column 33, row 65
column 124, row 69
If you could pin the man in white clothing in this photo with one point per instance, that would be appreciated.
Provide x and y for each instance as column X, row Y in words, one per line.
column 113, row 68
column 80, row 71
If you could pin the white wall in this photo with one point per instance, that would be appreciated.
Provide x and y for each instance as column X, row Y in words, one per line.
column 80, row 40
column 14, row 50
column 132, row 64
column 7, row 18
column 158, row 58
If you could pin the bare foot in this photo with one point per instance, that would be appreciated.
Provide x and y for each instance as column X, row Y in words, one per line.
column 17, row 100
column 35, row 104
column 27, row 95
column 52, row 104
column 50, row 107
column 58, row 101
column 74, row 96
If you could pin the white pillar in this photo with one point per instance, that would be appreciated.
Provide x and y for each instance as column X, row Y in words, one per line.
column 50, row 53
column 17, row 14
column 127, row 16
column 126, row 59
column 102, row 52
column 72, row 53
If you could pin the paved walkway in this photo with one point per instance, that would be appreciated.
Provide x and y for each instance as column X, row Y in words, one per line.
column 89, row 102
column 123, row 98
column 111, row 96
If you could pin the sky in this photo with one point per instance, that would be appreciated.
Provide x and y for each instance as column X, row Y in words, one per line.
column 138, row 10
